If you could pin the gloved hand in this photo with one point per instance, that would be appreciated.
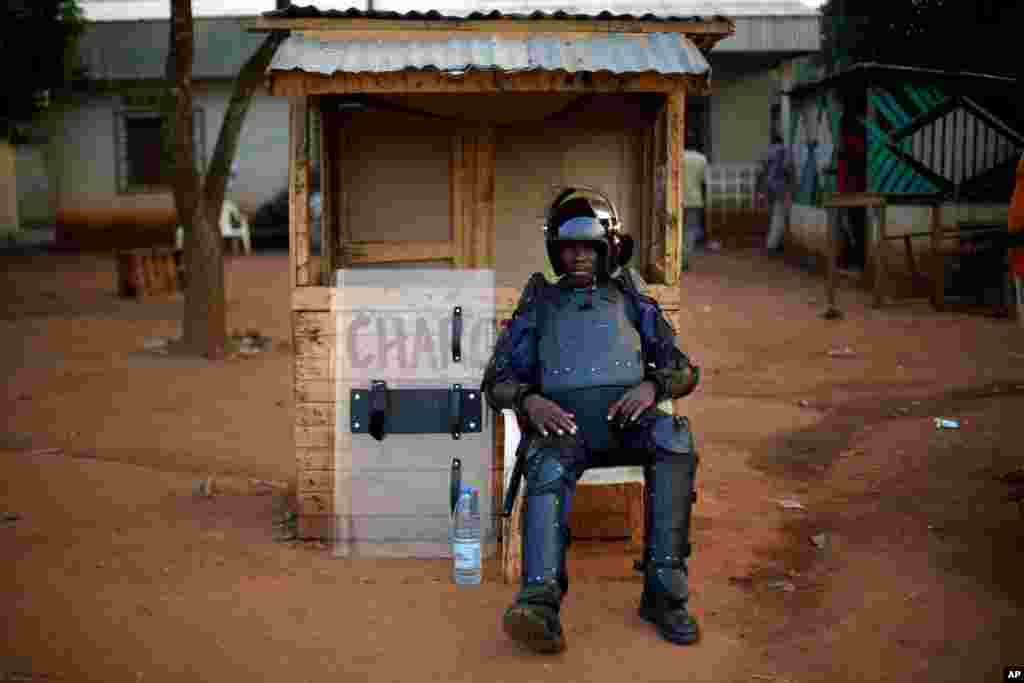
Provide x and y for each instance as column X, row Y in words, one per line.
column 548, row 417
column 633, row 403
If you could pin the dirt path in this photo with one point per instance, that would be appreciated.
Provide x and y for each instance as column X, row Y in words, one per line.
column 118, row 571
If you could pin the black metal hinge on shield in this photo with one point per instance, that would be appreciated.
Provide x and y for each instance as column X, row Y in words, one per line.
column 457, row 335
column 455, row 482
column 378, row 408
column 455, row 411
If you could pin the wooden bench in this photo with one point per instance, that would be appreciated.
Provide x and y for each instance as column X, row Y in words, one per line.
column 152, row 271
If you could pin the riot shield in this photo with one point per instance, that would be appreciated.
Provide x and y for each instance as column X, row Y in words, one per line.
column 412, row 345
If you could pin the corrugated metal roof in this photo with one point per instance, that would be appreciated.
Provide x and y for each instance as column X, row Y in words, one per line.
column 659, row 8
column 773, row 34
column 645, row 13
column 663, row 53
column 105, row 10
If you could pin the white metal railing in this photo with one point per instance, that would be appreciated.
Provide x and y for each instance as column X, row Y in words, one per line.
column 731, row 186
column 730, row 200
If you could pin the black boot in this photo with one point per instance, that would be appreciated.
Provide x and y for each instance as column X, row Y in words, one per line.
column 670, row 497
column 533, row 619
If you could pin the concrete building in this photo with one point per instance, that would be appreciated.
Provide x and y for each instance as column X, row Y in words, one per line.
column 95, row 172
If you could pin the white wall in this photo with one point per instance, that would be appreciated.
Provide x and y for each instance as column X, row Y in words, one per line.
column 84, row 174
column 35, row 190
column 741, row 117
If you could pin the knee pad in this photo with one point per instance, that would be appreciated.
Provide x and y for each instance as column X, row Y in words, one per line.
column 671, row 434
column 546, row 471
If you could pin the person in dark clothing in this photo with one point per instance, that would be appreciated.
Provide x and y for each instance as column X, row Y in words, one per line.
column 774, row 190
column 584, row 362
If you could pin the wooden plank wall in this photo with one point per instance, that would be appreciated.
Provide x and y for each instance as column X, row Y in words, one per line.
column 315, row 345
column 670, row 256
column 659, row 188
column 472, row 197
column 299, row 83
column 472, row 245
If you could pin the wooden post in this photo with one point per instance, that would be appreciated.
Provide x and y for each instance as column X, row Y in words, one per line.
column 938, row 262
column 830, row 264
column 880, row 251
column 298, row 199
column 656, row 228
column 670, row 257
column 328, row 195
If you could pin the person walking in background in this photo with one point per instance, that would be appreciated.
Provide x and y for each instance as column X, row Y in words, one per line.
column 774, row 188
column 695, row 166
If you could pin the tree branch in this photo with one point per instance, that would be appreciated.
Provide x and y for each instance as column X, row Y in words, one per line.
column 249, row 79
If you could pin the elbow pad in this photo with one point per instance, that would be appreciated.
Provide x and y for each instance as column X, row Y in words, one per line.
column 676, row 381
column 507, row 395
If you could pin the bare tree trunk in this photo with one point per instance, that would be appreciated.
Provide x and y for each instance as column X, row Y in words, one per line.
column 198, row 201
column 205, row 323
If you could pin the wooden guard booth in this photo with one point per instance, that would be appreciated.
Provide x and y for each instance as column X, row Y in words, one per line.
column 436, row 139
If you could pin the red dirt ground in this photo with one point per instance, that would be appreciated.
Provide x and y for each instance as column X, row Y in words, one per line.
column 117, row 571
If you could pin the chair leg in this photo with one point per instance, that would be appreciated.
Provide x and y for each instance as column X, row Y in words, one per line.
column 246, row 243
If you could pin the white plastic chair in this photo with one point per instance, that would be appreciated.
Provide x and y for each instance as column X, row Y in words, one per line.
column 230, row 215
column 601, row 475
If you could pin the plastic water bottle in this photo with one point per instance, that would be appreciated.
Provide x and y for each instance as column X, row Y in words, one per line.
column 466, row 537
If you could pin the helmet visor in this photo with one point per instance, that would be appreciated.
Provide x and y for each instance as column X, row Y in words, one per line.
column 581, row 228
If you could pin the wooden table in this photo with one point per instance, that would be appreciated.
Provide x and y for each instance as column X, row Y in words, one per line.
column 879, row 239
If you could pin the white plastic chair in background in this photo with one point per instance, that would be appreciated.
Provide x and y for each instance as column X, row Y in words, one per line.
column 233, row 226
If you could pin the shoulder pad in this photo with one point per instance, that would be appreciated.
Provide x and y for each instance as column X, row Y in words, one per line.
column 647, row 299
column 532, row 291
column 637, row 294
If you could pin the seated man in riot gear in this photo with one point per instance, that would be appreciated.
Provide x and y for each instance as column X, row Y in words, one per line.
column 585, row 361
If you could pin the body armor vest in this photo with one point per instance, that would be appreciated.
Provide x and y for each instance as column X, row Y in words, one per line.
column 588, row 341
column 590, row 353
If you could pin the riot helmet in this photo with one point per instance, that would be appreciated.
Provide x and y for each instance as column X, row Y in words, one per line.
column 584, row 214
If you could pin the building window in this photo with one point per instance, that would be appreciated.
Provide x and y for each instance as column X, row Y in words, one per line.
column 138, row 140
